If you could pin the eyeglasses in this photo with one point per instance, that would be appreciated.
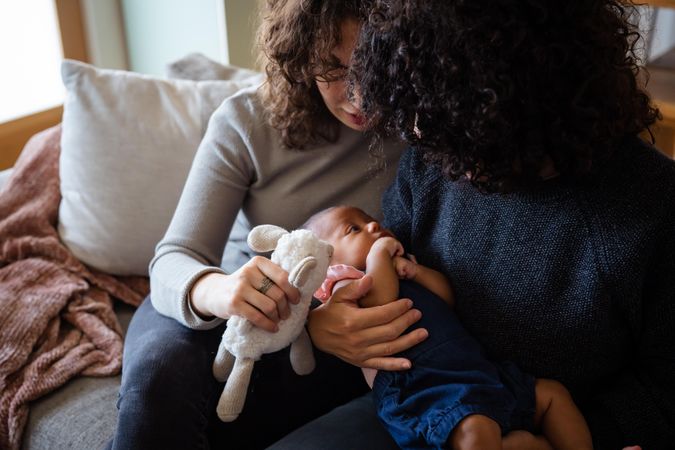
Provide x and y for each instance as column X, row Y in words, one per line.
column 332, row 75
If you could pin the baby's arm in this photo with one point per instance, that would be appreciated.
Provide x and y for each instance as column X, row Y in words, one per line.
column 559, row 419
column 380, row 266
column 435, row 281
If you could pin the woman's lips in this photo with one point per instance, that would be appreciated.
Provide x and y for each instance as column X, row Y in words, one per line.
column 357, row 119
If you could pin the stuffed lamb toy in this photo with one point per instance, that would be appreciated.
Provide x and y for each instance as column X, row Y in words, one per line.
column 306, row 258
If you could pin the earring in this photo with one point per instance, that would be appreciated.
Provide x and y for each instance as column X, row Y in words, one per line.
column 416, row 129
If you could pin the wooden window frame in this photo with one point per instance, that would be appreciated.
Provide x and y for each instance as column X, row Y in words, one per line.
column 15, row 133
column 659, row 3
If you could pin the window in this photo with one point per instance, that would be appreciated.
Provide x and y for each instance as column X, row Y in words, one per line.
column 30, row 46
column 34, row 36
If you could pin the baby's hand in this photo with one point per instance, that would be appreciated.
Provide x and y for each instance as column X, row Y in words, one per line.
column 389, row 245
column 405, row 268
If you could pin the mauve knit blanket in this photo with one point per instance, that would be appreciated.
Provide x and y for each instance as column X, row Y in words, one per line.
column 56, row 315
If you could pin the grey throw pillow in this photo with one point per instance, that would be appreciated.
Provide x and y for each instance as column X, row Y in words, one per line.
column 197, row 66
column 127, row 145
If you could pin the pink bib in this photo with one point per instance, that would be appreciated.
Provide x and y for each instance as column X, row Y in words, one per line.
column 336, row 273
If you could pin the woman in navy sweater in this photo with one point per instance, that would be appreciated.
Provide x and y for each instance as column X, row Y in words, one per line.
column 528, row 187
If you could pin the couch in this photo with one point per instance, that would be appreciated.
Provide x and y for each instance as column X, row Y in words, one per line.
column 126, row 147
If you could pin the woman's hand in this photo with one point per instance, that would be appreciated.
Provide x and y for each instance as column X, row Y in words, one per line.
column 242, row 294
column 365, row 337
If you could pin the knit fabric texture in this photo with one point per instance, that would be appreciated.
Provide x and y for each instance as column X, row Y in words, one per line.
column 573, row 280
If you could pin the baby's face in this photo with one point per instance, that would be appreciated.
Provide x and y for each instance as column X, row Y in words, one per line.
column 351, row 232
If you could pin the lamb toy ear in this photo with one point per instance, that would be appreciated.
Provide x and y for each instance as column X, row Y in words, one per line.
column 300, row 273
column 264, row 238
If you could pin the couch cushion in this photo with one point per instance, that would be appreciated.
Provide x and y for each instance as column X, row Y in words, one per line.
column 127, row 145
column 80, row 415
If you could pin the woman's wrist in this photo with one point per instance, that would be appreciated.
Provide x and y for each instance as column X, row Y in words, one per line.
column 199, row 297
column 314, row 331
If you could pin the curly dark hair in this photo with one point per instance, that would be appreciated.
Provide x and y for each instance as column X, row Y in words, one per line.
column 296, row 38
column 492, row 89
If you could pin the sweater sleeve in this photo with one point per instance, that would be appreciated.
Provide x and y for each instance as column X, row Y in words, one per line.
column 397, row 202
column 217, row 183
column 637, row 406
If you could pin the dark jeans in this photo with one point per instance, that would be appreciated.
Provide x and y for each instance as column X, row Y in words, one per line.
column 168, row 395
column 353, row 426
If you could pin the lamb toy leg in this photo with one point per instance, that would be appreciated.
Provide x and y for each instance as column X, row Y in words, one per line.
column 222, row 365
column 306, row 259
column 232, row 399
column 302, row 357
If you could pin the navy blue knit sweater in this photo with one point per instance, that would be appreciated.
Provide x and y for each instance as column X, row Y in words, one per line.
column 573, row 280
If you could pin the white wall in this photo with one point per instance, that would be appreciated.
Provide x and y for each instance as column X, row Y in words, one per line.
column 104, row 30
column 663, row 37
column 160, row 31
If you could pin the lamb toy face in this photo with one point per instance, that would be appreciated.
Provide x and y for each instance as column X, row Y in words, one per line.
column 306, row 258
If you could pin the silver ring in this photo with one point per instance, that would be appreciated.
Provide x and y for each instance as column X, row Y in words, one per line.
column 265, row 285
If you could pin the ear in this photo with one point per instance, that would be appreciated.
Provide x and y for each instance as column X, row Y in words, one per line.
column 300, row 273
column 264, row 238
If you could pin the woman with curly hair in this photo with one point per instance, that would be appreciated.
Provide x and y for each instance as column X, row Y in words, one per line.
column 273, row 154
column 527, row 184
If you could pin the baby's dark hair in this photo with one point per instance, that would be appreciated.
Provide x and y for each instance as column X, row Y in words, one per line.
column 495, row 88
column 310, row 224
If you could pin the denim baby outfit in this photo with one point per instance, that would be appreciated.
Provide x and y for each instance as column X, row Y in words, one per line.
column 450, row 379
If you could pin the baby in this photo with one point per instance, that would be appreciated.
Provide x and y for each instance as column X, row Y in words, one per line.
column 452, row 396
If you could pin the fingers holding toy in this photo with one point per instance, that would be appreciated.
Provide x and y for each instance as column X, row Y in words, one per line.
column 259, row 291
column 226, row 296
column 280, row 289
column 254, row 315
column 264, row 285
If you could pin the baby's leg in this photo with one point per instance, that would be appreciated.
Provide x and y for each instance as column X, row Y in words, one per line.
column 476, row 432
column 560, row 420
